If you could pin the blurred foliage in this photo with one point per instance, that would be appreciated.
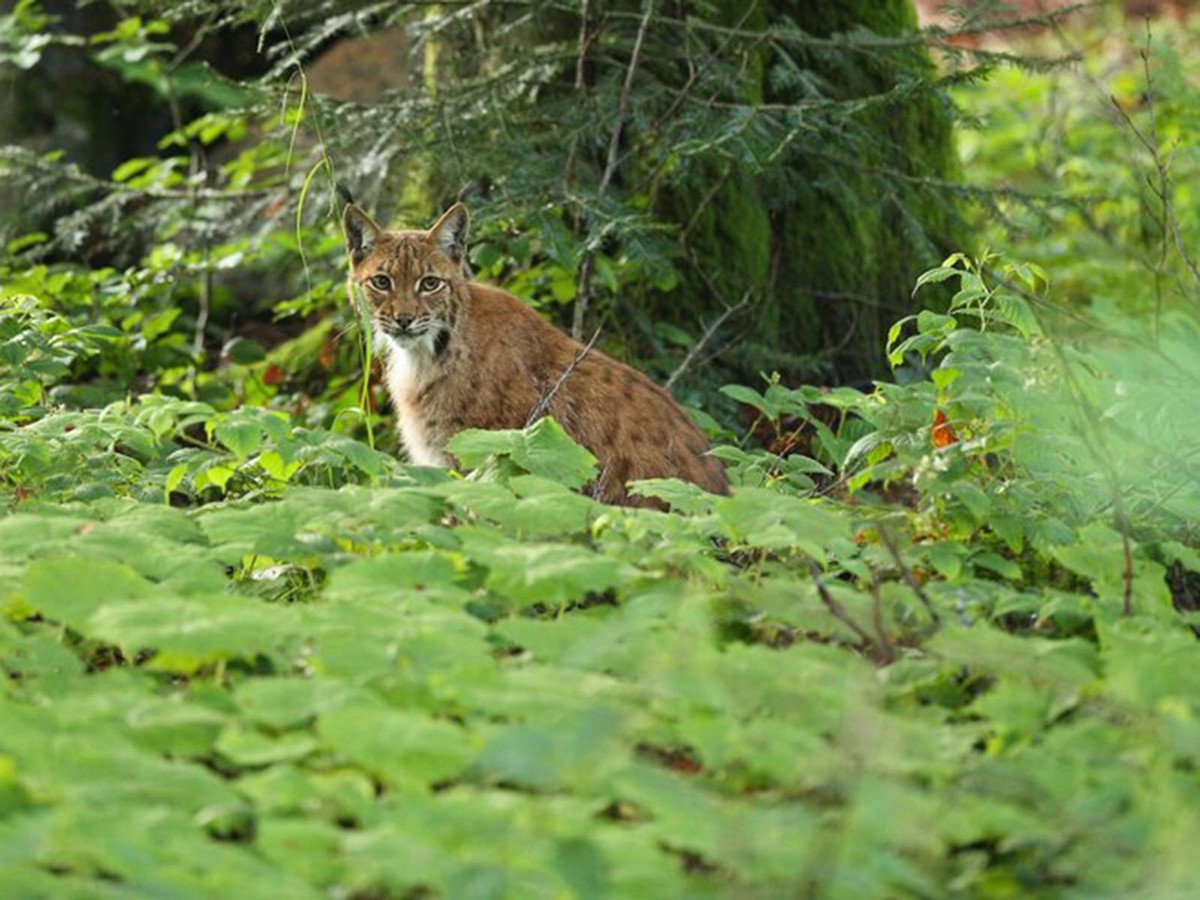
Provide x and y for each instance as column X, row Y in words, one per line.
column 1103, row 189
column 936, row 643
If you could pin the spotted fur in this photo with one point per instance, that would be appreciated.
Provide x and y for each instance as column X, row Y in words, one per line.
column 460, row 354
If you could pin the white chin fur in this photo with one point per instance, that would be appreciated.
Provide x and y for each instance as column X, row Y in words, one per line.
column 409, row 343
column 407, row 359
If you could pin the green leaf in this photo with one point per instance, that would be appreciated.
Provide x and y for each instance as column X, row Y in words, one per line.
column 175, row 478
column 935, row 276
column 947, row 558
column 748, row 396
column 762, row 518
column 935, row 324
column 358, row 454
column 1069, row 664
column 132, row 167
column 243, row 351
column 553, row 574
column 542, row 449
column 70, row 590
column 249, row 747
column 242, row 437
column 993, row 562
column 682, row 496
column 400, row 747
column 188, row 634
column 557, row 752
column 179, row 730
column 274, row 465
column 309, row 849
column 283, row 703
column 214, row 474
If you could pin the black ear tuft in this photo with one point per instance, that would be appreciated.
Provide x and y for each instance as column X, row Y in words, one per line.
column 362, row 234
column 344, row 193
column 479, row 187
column 450, row 232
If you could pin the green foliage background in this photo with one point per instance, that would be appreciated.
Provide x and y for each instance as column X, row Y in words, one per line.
column 936, row 643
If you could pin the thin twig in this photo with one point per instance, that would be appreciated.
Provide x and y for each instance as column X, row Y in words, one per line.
column 614, row 142
column 1170, row 231
column 598, row 487
column 835, row 608
column 585, row 41
column 885, row 535
column 1127, row 573
column 705, row 338
column 544, row 404
column 854, row 41
column 203, row 301
column 705, row 202
column 684, row 93
column 1169, row 216
column 886, row 648
column 1149, row 140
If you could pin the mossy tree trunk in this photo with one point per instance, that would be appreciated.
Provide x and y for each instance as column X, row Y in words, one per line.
column 830, row 244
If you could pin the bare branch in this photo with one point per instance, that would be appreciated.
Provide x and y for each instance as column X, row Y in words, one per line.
column 887, row 649
column 1149, row 140
column 885, row 535
column 835, row 608
column 706, row 337
column 544, row 404
column 614, row 142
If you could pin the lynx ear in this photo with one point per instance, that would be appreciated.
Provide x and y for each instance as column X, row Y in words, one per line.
column 450, row 232
column 362, row 234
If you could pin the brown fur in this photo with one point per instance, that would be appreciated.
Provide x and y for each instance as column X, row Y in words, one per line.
column 501, row 366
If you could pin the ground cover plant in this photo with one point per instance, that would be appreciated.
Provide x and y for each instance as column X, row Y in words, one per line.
column 938, row 642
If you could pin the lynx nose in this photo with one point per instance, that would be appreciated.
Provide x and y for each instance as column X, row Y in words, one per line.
column 400, row 324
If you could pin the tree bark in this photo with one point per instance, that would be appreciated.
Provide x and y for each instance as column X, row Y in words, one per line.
column 832, row 252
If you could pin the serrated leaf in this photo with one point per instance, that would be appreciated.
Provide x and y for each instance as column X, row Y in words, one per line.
column 542, row 449
column 935, row 276
column 545, row 573
column 243, row 438
column 762, row 518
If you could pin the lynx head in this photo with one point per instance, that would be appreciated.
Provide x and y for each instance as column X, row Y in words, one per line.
column 413, row 280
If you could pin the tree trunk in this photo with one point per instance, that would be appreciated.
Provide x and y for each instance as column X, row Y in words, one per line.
column 831, row 253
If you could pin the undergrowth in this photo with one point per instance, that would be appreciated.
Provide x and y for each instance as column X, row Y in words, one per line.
column 929, row 645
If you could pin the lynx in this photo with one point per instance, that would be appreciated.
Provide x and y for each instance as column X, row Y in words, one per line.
column 459, row 354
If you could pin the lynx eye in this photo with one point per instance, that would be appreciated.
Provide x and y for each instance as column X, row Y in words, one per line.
column 380, row 282
column 429, row 283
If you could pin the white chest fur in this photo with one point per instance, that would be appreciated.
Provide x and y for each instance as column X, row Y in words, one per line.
column 407, row 369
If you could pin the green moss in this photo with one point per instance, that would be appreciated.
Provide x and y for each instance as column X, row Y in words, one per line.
column 833, row 250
